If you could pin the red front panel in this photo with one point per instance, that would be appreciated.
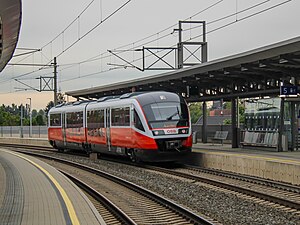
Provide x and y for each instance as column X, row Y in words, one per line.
column 55, row 133
column 143, row 142
column 76, row 135
column 127, row 137
column 188, row 142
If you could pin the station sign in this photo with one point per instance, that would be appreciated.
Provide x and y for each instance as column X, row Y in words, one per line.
column 289, row 91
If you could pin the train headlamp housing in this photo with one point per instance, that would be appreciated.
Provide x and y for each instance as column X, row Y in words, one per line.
column 183, row 131
column 158, row 132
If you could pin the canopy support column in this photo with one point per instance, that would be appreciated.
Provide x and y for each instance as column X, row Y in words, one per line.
column 204, row 125
column 234, row 129
column 281, row 127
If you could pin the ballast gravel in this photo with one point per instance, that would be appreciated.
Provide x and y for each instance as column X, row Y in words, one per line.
column 227, row 208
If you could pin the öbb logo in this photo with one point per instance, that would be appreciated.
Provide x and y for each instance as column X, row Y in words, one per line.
column 171, row 131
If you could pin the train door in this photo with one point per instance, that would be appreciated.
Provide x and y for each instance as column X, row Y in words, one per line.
column 108, row 138
column 64, row 128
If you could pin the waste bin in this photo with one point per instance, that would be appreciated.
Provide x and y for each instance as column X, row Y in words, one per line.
column 194, row 137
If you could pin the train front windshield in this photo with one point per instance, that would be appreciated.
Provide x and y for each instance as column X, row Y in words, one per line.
column 167, row 115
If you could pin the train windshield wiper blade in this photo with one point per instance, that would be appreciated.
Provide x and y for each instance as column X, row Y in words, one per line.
column 174, row 114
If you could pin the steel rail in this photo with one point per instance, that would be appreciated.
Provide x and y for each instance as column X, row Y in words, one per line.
column 185, row 213
column 247, row 191
column 112, row 208
column 34, row 147
column 250, row 179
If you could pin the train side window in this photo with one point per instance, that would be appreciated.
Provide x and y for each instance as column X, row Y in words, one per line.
column 55, row 120
column 137, row 121
column 89, row 119
column 69, row 120
column 120, row 116
column 95, row 119
column 74, row 119
column 101, row 118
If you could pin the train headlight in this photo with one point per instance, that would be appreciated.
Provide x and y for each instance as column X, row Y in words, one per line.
column 158, row 132
column 183, row 131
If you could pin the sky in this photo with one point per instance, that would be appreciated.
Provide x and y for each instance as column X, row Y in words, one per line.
column 233, row 26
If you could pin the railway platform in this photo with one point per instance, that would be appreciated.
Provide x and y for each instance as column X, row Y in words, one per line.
column 32, row 192
column 260, row 162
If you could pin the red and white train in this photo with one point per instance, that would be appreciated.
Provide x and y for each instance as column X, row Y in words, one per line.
column 149, row 126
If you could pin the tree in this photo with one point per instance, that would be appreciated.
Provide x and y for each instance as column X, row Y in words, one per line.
column 48, row 107
column 39, row 119
column 41, row 112
column 195, row 111
column 242, row 112
column 227, row 105
column 34, row 113
column 227, row 121
column 11, row 116
column 2, row 115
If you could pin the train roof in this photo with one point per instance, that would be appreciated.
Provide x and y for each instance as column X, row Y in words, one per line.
column 143, row 97
column 70, row 106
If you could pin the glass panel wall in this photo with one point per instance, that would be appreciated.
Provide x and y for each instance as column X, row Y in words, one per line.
column 262, row 122
column 262, row 114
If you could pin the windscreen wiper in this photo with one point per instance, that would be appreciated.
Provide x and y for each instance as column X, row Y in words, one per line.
column 174, row 114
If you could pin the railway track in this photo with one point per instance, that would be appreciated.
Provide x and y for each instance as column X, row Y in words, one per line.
column 272, row 191
column 31, row 147
column 42, row 149
column 140, row 205
column 110, row 213
column 262, row 189
column 250, row 179
column 282, row 196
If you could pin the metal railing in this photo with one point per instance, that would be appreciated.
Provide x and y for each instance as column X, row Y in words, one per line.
column 24, row 132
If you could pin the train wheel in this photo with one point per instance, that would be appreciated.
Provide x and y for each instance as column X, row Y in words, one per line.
column 133, row 156
column 88, row 151
column 53, row 144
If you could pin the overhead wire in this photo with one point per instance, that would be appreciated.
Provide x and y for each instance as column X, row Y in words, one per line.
column 79, row 38
column 120, row 50
column 50, row 42
column 92, row 59
column 101, row 56
column 95, row 58
column 65, row 29
column 232, row 14
column 140, row 40
column 246, row 17
column 69, row 25
column 169, row 27
column 156, row 34
column 230, row 23
column 207, row 32
column 91, row 30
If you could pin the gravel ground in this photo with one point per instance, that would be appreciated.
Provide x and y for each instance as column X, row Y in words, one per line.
column 226, row 208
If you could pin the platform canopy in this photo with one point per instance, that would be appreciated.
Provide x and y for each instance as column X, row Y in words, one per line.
column 259, row 72
column 10, row 23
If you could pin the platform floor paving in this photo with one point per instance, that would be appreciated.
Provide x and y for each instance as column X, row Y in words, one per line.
column 259, row 162
column 247, row 151
column 34, row 193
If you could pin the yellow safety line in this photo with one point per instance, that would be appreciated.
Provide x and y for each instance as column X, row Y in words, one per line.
column 250, row 156
column 64, row 195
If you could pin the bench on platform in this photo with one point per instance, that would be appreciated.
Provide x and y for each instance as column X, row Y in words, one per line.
column 220, row 136
column 260, row 139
